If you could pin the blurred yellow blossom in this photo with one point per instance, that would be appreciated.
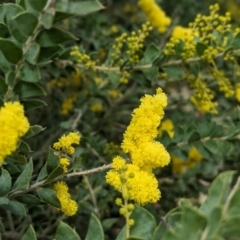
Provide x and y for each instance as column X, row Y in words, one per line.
column 180, row 166
column 166, row 125
column 237, row 92
column 155, row 15
column 97, row 107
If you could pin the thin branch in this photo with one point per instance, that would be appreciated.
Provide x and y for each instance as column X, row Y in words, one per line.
column 68, row 175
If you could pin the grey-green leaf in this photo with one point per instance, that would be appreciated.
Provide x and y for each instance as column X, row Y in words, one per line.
column 79, row 8
column 6, row 183
column 53, row 37
column 24, row 179
column 49, row 196
column 64, row 232
column 29, row 234
column 95, row 230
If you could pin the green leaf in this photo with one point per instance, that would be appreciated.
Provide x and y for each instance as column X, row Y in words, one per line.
column 108, row 223
column 52, row 161
column 18, row 158
column 2, row 13
column 10, row 78
column 236, row 42
column 16, row 208
column 95, row 230
column 11, row 10
column 32, row 53
column 151, row 73
column 214, row 220
column 8, row 48
column 196, row 219
column 200, row 47
column 53, row 37
column 174, row 72
column 151, row 54
column 31, row 104
column 144, row 225
column 55, row 173
column 26, row 90
column 218, row 191
column 171, row 235
column 29, row 73
column 230, row 228
column 234, row 203
column 6, row 183
column 49, row 53
column 26, row 22
column 3, row 86
column 64, row 232
column 3, row 30
column 211, row 145
column 43, row 173
column 49, row 196
column 48, row 18
column 79, row 8
column 4, row 200
column 204, row 129
column 33, row 130
column 215, row 237
column 29, row 234
column 37, row 5
column 23, row 180
column 23, row 147
column 28, row 199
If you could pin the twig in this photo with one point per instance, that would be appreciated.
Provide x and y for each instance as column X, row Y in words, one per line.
column 92, row 194
column 69, row 175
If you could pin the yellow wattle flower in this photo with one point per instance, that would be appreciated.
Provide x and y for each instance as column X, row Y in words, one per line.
column 155, row 15
column 65, row 143
column 183, row 33
column 68, row 206
column 14, row 125
column 139, row 137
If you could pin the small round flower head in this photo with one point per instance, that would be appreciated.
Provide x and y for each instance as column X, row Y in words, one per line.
column 118, row 163
column 64, row 163
column 64, row 144
column 118, row 201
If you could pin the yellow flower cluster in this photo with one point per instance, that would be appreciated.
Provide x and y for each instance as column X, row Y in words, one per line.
column 179, row 165
column 65, row 143
column 139, row 137
column 96, row 107
column 83, row 58
column 68, row 206
column 155, row 15
column 224, row 83
column 68, row 103
column 64, row 163
column 135, row 179
column 113, row 93
column 73, row 80
column 182, row 34
column 203, row 96
column 132, row 43
column 135, row 184
column 14, row 125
